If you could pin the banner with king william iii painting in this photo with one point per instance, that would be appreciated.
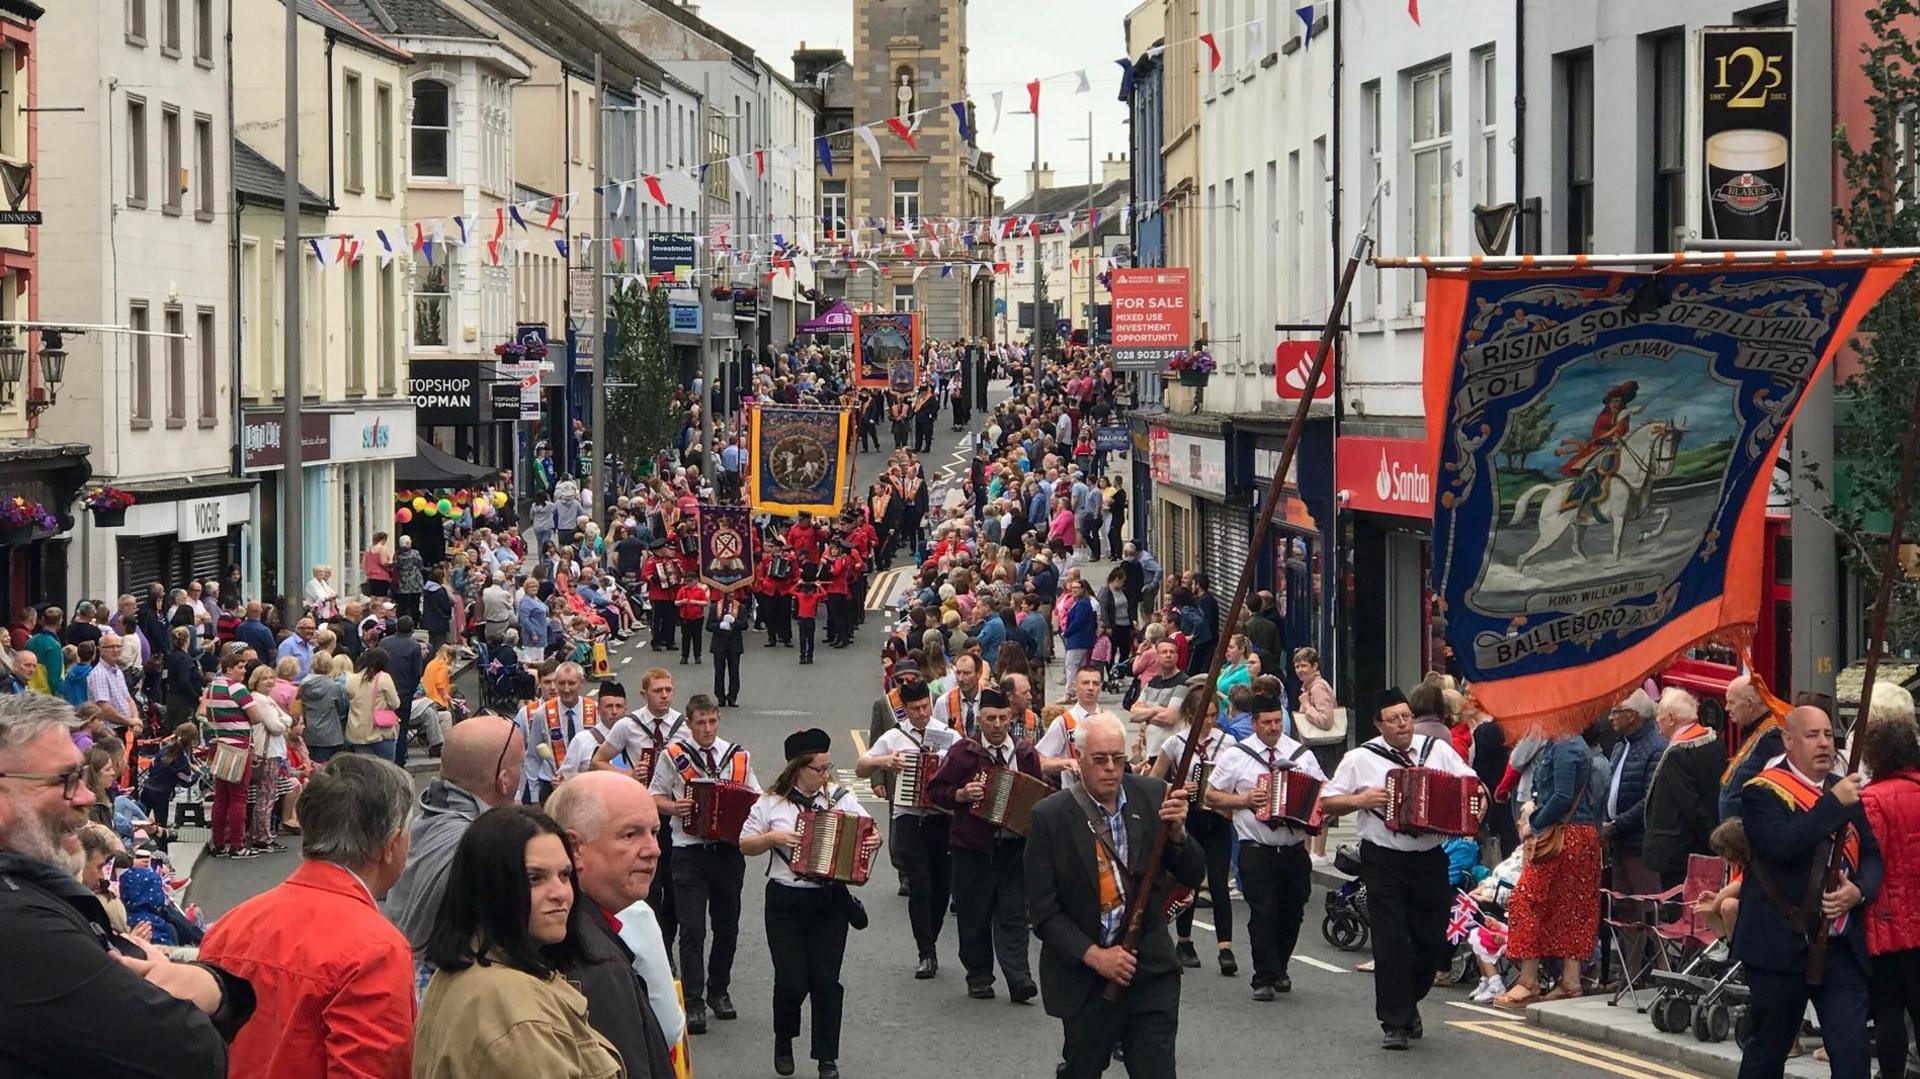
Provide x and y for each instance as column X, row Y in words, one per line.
column 1602, row 444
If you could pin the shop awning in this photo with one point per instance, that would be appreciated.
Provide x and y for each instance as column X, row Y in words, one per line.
column 432, row 467
column 835, row 319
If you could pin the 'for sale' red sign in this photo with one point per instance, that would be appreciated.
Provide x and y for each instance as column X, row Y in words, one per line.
column 1151, row 324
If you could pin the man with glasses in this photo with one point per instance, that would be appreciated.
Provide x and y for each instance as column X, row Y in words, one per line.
column 920, row 835
column 549, row 726
column 107, row 686
column 1107, row 821
column 66, row 966
column 299, row 645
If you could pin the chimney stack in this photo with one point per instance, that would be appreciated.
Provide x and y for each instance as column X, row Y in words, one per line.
column 1114, row 169
column 1040, row 179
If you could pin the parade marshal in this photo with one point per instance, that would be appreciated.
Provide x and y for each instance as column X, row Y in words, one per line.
column 1080, row 859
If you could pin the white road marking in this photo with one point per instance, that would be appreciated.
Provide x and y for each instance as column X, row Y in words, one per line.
column 1495, row 1012
column 1320, row 963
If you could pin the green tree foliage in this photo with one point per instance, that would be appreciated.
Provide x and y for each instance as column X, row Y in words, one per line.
column 1046, row 339
column 1882, row 209
column 641, row 417
column 1527, row 431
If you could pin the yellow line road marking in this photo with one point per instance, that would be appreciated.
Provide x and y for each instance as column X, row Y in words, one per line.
column 1517, row 1032
column 859, row 740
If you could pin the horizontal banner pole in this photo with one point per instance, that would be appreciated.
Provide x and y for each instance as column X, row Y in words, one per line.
column 1676, row 258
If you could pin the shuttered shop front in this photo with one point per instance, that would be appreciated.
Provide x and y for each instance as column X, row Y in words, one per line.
column 1225, row 534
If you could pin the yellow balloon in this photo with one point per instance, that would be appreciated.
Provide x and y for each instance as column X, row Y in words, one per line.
column 499, row 498
column 420, row 503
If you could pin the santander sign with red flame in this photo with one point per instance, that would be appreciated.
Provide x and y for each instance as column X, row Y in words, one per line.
column 1292, row 363
column 1384, row 475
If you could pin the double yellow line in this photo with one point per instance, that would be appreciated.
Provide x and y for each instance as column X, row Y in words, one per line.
column 1518, row 1032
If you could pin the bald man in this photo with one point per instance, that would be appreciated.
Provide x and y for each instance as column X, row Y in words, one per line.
column 1752, row 738
column 623, row 971
column 1793, row 810
column 479, row 769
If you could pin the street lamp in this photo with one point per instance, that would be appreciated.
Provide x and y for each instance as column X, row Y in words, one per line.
column 53, row 371
column 13, row 360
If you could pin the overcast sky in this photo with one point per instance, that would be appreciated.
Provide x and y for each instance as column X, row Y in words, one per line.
column 1010, row 42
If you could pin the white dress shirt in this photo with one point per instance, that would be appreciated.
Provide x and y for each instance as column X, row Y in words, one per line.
column 936, row 739
column 532, row 721
column 1238, row 768
column 1363, row 768
column 774, row 811
column 1059, row 742
column 669, row 783
column 641, row 729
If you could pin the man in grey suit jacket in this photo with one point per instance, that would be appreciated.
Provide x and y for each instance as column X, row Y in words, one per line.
column 1083, row 854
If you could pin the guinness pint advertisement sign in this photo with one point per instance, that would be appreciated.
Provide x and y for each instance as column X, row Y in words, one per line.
column 1746, row 133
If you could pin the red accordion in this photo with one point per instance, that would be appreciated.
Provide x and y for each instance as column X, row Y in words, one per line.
column 910, row 782
column 833, row 846
column 643, row 762
column 719, row 809
column 1422, row 800
column 1287, row 797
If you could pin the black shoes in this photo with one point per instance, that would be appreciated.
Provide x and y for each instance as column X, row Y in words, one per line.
column 1229, row 966
column 1263, row 993
column 904, row 890
column 783, row 1056
column 696, row 1018
column 929, row 966
column 829, row 1070
column 1284, row 984
column 1418, row 1030
column 1395, row 1040
column 1183, row 951
column 722, row 1006
column 981, row 992
column 1023, row 992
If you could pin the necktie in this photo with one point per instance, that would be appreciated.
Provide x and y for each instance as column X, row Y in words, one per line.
column 1270, row 758
column 1000, row 756
column 969, row 715
column 711, row 766
column 571, row 721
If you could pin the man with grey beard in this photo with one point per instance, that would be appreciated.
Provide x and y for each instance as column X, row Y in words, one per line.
column 67, row 966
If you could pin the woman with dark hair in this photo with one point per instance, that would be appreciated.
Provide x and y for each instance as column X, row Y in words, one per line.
column 1890, row 749
column 507, row 926
column 373, row 705
column 807, row 919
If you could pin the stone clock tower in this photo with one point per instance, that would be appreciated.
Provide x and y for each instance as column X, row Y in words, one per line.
column 910, row 55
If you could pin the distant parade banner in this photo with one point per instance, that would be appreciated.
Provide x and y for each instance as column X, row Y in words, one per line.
column 886, row 351
column 797, row 459
column 726, row 547
column 1603, row 444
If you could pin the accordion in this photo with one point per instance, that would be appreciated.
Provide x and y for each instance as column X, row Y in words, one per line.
column 832, row 846
column 780, row 567
column 1422, row 800
column 1010, row 799
column 1287, row 797
column 689, row 544
column 1202, row 778
column 643, row 762
column 910, row 782
column 719, row 809
column 669, row 572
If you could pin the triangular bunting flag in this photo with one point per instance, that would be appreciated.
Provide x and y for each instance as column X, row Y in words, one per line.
column 318, row 255
column 386, row 247
column 737, row 168
column 1126, row 78
column 826, row 155
column 999, row 98
column 440, row 232
column 462, row 223
column 1213, row 52
column 340, row 248
column 653, row 190
column 559, row 204
column 1033, row 97
column 493, row 251
column 1086, row 85
column 865, row 131
column 419, row 236
column 499, row 222
column 960, row 116
column 1413, row 11
column 427, row 249
column 1306, row 17
column 946, row 269
column 619, row 250
column 513, row 211
column 975, row 270
column 760, row 162
column 901, row 129
column 1256, row 40
column 561, row 246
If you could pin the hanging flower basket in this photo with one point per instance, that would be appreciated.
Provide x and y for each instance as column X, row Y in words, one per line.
column 109, row 518
column 108, row 505
column 15, row 537
column 1195, row 378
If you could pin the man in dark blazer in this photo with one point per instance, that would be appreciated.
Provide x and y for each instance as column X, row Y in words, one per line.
column 1085, row 846
column 1793, row 811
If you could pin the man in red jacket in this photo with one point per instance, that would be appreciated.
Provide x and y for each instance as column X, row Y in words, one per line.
column 804, row 537
column 840, row 596
column 333, row 977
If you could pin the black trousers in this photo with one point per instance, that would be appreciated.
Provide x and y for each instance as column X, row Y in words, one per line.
column 858, row 607
column 706, row 882
column 1407, row 904
column 928, row 866
column 691, row 642
column 1122, row 638
column 660, row 897
column 1777, row 1001
column 923, row 436
column 807, row 935
column 726, row 673
column 806, row 639
column 1894, row 988
column 665, row 619
column 990, row 901
column 900, row 434
column 776, row 612
column 1276, row 881
column 839, row 618
column 1113, row 536
column 1215, row 836
column 1144, row 1022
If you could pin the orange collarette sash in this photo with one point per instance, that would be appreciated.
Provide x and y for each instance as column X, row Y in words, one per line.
column 1801, row 795
column 1735, row 759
